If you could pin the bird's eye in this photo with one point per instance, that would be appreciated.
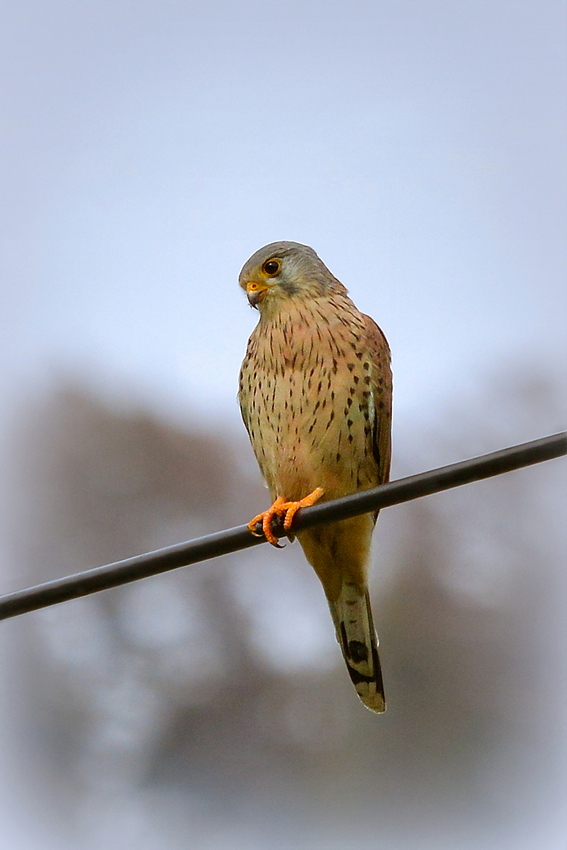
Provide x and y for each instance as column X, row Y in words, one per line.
column 271, row 267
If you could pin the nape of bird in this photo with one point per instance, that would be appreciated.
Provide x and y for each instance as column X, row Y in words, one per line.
column 316, row 400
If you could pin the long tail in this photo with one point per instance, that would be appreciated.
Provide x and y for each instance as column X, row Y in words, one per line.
column 357, row 637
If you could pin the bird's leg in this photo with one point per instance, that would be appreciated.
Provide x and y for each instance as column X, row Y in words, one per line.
column 284, row 509
column 291, row 508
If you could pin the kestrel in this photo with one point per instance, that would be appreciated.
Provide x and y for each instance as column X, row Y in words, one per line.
column 316, row 400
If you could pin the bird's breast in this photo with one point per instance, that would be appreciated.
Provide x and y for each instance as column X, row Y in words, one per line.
column 309, row 406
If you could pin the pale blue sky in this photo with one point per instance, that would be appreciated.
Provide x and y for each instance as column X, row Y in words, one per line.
column 149, row 148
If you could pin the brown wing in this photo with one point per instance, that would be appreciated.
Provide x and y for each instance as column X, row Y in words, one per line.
column 245, row 383
column 382, row 394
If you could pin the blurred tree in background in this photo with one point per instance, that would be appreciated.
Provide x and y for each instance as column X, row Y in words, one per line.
column 209, row 707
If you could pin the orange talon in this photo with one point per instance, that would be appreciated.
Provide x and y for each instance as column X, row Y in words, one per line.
column 293, row 507
column 266, row 518
column 281, row 508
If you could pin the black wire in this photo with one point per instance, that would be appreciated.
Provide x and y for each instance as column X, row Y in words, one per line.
column 235, row 539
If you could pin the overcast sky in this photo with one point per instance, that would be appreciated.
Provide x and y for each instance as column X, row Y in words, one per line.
column 148, row 148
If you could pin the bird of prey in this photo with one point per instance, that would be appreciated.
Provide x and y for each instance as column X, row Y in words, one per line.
column 316, row 400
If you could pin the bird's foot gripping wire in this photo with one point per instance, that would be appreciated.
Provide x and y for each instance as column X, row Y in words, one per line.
column 282, row 510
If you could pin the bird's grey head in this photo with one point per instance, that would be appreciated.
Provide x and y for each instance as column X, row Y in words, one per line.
column 283, row 270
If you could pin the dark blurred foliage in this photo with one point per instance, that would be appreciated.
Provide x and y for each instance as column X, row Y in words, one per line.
column 209, row 707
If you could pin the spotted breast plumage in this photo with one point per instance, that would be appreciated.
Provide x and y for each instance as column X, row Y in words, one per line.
column 316, row 398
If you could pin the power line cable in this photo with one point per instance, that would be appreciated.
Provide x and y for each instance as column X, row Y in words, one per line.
column 236, row 539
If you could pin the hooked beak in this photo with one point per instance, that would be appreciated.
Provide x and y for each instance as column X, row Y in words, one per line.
column 256, row 292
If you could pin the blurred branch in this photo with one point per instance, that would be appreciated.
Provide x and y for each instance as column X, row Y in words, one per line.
column 236, row 539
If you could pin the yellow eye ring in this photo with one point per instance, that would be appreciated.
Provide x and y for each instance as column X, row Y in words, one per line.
column 271, row 267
